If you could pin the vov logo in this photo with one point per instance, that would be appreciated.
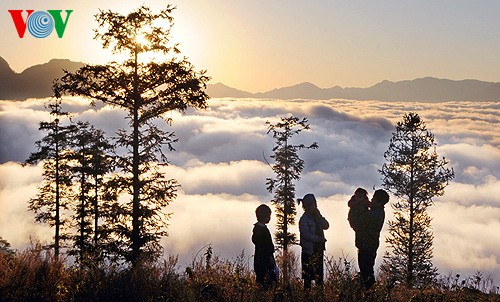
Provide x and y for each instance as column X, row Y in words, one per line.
column 40, row 24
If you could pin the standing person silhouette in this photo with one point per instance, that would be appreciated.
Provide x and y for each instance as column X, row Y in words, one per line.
column 312, row 241
column 264, row 263
column 367, row 224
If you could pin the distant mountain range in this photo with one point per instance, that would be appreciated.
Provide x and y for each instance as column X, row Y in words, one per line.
column 36, row 82
column 424, row 89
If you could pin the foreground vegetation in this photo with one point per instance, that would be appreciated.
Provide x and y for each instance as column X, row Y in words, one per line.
column 35, row 275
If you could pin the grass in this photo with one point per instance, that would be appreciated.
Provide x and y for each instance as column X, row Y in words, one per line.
column 34, row 275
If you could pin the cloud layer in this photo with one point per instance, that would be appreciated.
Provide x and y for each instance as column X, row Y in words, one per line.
column 220, row 161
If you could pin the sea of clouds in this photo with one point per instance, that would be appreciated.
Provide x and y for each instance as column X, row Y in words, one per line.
column 220, row 161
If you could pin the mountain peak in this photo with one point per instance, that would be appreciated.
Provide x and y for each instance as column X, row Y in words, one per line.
column 221, row 90
column 34, row 81
column 5, row 67
column 306, row 85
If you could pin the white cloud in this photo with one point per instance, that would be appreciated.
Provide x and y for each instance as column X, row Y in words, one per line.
column 466, row 238
column 486, row 193
column 236, row 178
column 473, row 161
column 219, row 161
column 17, row 185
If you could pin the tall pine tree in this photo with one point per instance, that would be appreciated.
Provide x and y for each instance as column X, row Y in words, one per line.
column 414, row 174
column 146, row 89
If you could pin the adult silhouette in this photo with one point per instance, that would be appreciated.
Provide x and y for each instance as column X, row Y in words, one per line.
column 367, row 220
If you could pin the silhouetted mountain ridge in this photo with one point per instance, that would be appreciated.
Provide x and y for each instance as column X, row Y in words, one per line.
column 426, row 89
column 35, row 81
column 226, row 91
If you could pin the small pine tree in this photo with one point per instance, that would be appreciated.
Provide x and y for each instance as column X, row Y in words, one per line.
column 54, row 195
column 287, row 166
column 91, row 162
column 414, row 174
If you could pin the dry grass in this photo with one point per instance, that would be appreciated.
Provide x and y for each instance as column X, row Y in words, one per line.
column 34, row 275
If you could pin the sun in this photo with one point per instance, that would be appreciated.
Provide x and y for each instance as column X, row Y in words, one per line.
column 189, row 38
column 141, row 39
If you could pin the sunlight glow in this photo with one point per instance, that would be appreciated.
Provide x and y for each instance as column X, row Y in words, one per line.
column 141, row 39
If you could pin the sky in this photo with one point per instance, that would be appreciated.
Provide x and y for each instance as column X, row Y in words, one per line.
column 260, row 45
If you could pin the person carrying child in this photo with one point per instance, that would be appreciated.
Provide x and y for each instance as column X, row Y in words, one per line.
column 367, row 219
column 264, row 263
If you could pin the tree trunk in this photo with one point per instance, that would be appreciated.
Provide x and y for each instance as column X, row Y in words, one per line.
column 409, row 272
column 96, row 210
column 286, row 205
column 82, row 214
column 136, row 240
column 57, row 217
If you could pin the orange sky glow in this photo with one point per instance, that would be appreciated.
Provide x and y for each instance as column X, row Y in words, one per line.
column 260, row 45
